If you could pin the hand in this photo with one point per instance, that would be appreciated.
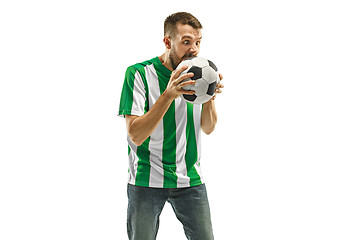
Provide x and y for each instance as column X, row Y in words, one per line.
column 175, row 86
column 218, row 87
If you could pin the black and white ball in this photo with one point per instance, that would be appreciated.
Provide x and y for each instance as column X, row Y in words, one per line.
column 206, row 77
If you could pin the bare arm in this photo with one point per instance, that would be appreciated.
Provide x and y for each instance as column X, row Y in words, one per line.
column 208, row 117
column 141, row 127
column 208, row 114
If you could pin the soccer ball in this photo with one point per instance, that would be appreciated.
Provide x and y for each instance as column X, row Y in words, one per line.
column 206, row 77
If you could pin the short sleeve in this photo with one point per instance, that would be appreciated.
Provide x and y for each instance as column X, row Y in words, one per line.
column 132, row 101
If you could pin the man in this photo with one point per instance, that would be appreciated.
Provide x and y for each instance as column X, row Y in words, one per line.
column 164, row 137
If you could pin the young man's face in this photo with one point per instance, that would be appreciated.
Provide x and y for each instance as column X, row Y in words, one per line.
column 185, row 44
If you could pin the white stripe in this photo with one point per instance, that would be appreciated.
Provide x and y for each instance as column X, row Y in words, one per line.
column 181, row 119
column 197, row 124
column 133, row 162
column 156, row 138
column 138, row 96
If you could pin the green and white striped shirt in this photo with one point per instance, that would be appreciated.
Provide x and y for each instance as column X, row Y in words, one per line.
column 170, row 157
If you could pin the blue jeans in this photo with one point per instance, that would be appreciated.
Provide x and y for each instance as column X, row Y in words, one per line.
column 190, row 205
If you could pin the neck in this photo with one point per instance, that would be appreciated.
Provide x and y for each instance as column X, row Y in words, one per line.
column 165, row 60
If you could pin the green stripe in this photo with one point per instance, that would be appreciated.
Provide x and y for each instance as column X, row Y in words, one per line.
column 129, row 150
column 143, row 170
column 191, row 148
column 126, row 99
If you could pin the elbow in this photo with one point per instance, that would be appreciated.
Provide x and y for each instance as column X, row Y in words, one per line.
column 132, row 131
column 208, row 127
column 208, row 131
column 136, row 140
column 137, row 143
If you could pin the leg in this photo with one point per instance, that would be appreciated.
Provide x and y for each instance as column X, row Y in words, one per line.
column 191, row 207
column 144, row 208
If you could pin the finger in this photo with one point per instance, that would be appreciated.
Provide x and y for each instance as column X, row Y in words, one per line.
column 218, row 90
column 221, row 76
column 182, row 91
column 183, row 77
column 219, row 85
column 176, row 73
column 191, row 82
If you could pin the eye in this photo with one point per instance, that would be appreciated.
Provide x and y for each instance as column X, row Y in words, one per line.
column 186, row 42
column 197, row 43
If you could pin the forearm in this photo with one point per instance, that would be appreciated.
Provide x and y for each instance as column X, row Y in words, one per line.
column 140, row 128
column 208, row 117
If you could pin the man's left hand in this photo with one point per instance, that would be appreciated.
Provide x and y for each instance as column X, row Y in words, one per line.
column 219, row 86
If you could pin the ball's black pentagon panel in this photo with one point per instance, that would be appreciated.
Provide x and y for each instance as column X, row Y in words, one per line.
column 190, row 98
column 211, row 88
column 197, row 72
column 211, row 64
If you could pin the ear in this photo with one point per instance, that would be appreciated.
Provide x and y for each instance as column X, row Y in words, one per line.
column 167, row 42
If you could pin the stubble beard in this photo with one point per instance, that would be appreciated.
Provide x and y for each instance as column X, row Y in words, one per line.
column 175, row 60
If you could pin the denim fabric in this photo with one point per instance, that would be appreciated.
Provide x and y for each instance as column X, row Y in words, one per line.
column 190, row 205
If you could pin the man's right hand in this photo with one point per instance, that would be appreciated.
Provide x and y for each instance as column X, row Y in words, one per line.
column 175, row 86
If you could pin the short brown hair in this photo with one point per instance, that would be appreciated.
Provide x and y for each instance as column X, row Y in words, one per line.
column 180, row 17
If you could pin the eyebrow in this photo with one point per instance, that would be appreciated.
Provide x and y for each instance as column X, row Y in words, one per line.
column 188, row 36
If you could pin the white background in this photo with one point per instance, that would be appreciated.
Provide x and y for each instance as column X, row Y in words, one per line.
column 283, row 162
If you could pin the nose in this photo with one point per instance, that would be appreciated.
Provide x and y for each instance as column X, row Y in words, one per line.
column 194, row 48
